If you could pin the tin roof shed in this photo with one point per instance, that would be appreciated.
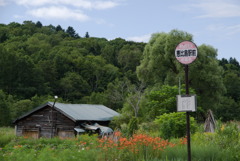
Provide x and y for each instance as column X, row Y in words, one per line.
column 78, row 112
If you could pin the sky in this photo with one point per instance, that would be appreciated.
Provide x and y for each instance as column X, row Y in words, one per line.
column 211, row 22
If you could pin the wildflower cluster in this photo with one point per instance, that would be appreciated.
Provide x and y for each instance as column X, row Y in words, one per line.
column 135, row 143
column 82, row 145
column 183, row 141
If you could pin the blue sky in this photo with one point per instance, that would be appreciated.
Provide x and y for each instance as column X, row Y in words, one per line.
column 211, row 22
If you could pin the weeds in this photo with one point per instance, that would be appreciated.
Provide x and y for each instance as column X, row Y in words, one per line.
column 220, row 146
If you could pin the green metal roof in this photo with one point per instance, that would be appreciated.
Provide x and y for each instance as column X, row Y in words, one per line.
column 86, row 111
column 78, row 112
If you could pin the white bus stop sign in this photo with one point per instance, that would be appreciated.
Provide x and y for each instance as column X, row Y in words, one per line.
column 186, row 52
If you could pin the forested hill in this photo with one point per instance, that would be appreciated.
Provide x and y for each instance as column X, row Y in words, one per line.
column 38, row 62
column 47, row 60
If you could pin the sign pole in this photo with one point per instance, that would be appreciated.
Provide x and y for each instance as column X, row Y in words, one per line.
column 186, row 53
column 188, row 116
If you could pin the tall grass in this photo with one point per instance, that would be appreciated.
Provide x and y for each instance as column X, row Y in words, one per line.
column 220, row 146
column 6, row 135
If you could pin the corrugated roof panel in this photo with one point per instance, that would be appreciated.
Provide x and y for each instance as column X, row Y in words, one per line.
column 86, row 111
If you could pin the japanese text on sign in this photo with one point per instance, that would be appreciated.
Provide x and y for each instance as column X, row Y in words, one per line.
column 186, row 52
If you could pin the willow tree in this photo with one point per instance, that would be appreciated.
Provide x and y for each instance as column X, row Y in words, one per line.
column 160, row 67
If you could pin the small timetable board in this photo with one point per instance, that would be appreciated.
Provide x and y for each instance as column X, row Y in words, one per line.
column 186, row 103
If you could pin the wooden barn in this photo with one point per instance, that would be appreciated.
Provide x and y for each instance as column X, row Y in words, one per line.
column 63, row 120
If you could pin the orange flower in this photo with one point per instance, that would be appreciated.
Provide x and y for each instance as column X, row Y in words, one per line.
column 183, row 140
column 17, row 146
column 135, row 143
column 117, row 133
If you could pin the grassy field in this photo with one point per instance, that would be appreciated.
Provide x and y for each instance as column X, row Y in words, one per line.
column 222, row 145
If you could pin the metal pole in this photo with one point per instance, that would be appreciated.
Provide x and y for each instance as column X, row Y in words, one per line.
column 188, row 116
column 179, row 86
column 52, row 117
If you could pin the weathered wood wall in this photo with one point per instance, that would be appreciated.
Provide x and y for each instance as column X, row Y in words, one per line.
column 46, row 122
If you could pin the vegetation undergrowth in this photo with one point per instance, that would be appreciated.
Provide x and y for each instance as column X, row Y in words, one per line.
column 6, row 135
column 219, row 146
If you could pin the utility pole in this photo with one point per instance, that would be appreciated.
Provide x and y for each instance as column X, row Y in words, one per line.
column 55, row 99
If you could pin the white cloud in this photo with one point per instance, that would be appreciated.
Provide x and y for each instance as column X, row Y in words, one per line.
column 211, row 8
column 104, row 5
column 103, row 22
column 33, row 2
column 224, row 30
column 17, row 16
column 143, row 38
column 65, row 9
column 3, row 3
column 235, row 29
column 58, row 13
column 85, row 4
column 214, row 9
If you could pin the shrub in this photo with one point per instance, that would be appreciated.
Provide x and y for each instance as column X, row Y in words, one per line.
column 132, row 126
column 228, row 137
column 174, row 125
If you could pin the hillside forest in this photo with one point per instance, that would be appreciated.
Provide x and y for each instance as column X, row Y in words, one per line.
column 136, row 79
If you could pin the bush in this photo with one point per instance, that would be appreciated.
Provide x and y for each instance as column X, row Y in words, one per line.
column 132, row 126
column 228, row 137
column 174, row 125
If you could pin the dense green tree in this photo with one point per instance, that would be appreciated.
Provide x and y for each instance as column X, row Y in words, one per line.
column 72, row 33
column 109, row 54
column 63, row 60
column 21, row 107
column 39, row 61
column 38, row 43
column 231, row 77
column 97, row 73
column 29, row 28
column 19, row 75
column 39, row 24
column 232, row 84
column 135, row 95
column 38, row 100
column 93, row 45
column 129, row 57
column 3, row 33
column 229, row 105
column 208, row 83
column 87, row 35
column 48, row 72
column 160, row 100
column 228, row 109
column 5, row 102
column 73, row 86
column 96, row 98
column 117, row 92
column 59, row 28
column 223, row 62
column 234, row 62
column 159, row 63
column 159, row 66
